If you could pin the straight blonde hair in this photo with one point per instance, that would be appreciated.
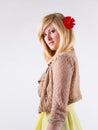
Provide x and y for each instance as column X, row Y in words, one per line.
column 66, row 35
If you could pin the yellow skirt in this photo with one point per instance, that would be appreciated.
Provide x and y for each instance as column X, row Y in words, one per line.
column 71, row 122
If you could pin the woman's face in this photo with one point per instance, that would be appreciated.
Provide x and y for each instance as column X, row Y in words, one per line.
column 52, row 37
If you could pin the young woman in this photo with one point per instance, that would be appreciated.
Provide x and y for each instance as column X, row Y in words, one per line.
column 59, row 86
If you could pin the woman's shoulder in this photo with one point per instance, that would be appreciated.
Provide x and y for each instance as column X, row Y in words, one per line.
column 70, row 55
column 64, row 58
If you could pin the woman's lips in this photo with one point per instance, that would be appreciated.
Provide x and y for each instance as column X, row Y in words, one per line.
column 51, row 43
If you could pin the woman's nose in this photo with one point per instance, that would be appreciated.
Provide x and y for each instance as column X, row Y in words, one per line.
column 49, row 37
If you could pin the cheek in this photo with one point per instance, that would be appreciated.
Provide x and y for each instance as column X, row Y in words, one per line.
column 57, row 37
column 45, row 39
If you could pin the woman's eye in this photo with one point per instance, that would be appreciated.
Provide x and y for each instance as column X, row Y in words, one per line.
column 53, row 30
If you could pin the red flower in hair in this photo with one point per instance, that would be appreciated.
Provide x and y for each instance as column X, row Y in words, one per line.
column 69, row 22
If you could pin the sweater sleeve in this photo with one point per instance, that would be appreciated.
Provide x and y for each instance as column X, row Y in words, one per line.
column 62, row 74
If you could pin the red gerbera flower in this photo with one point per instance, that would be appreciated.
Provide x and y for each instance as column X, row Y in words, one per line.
column 69, row 22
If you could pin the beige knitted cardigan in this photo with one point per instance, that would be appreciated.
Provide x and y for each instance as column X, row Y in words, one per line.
column 59, row 86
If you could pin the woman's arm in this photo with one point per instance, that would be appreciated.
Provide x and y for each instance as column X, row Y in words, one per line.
column 62, row 75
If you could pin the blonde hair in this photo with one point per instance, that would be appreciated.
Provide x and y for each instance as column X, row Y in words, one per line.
column 66, row 35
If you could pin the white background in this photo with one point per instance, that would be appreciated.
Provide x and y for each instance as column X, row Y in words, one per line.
column 21, row 62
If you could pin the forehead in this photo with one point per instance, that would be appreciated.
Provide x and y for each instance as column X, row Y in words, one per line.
column 48, row 28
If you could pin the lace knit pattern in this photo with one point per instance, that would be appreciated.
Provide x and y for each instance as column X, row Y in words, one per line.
column 59, row 86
